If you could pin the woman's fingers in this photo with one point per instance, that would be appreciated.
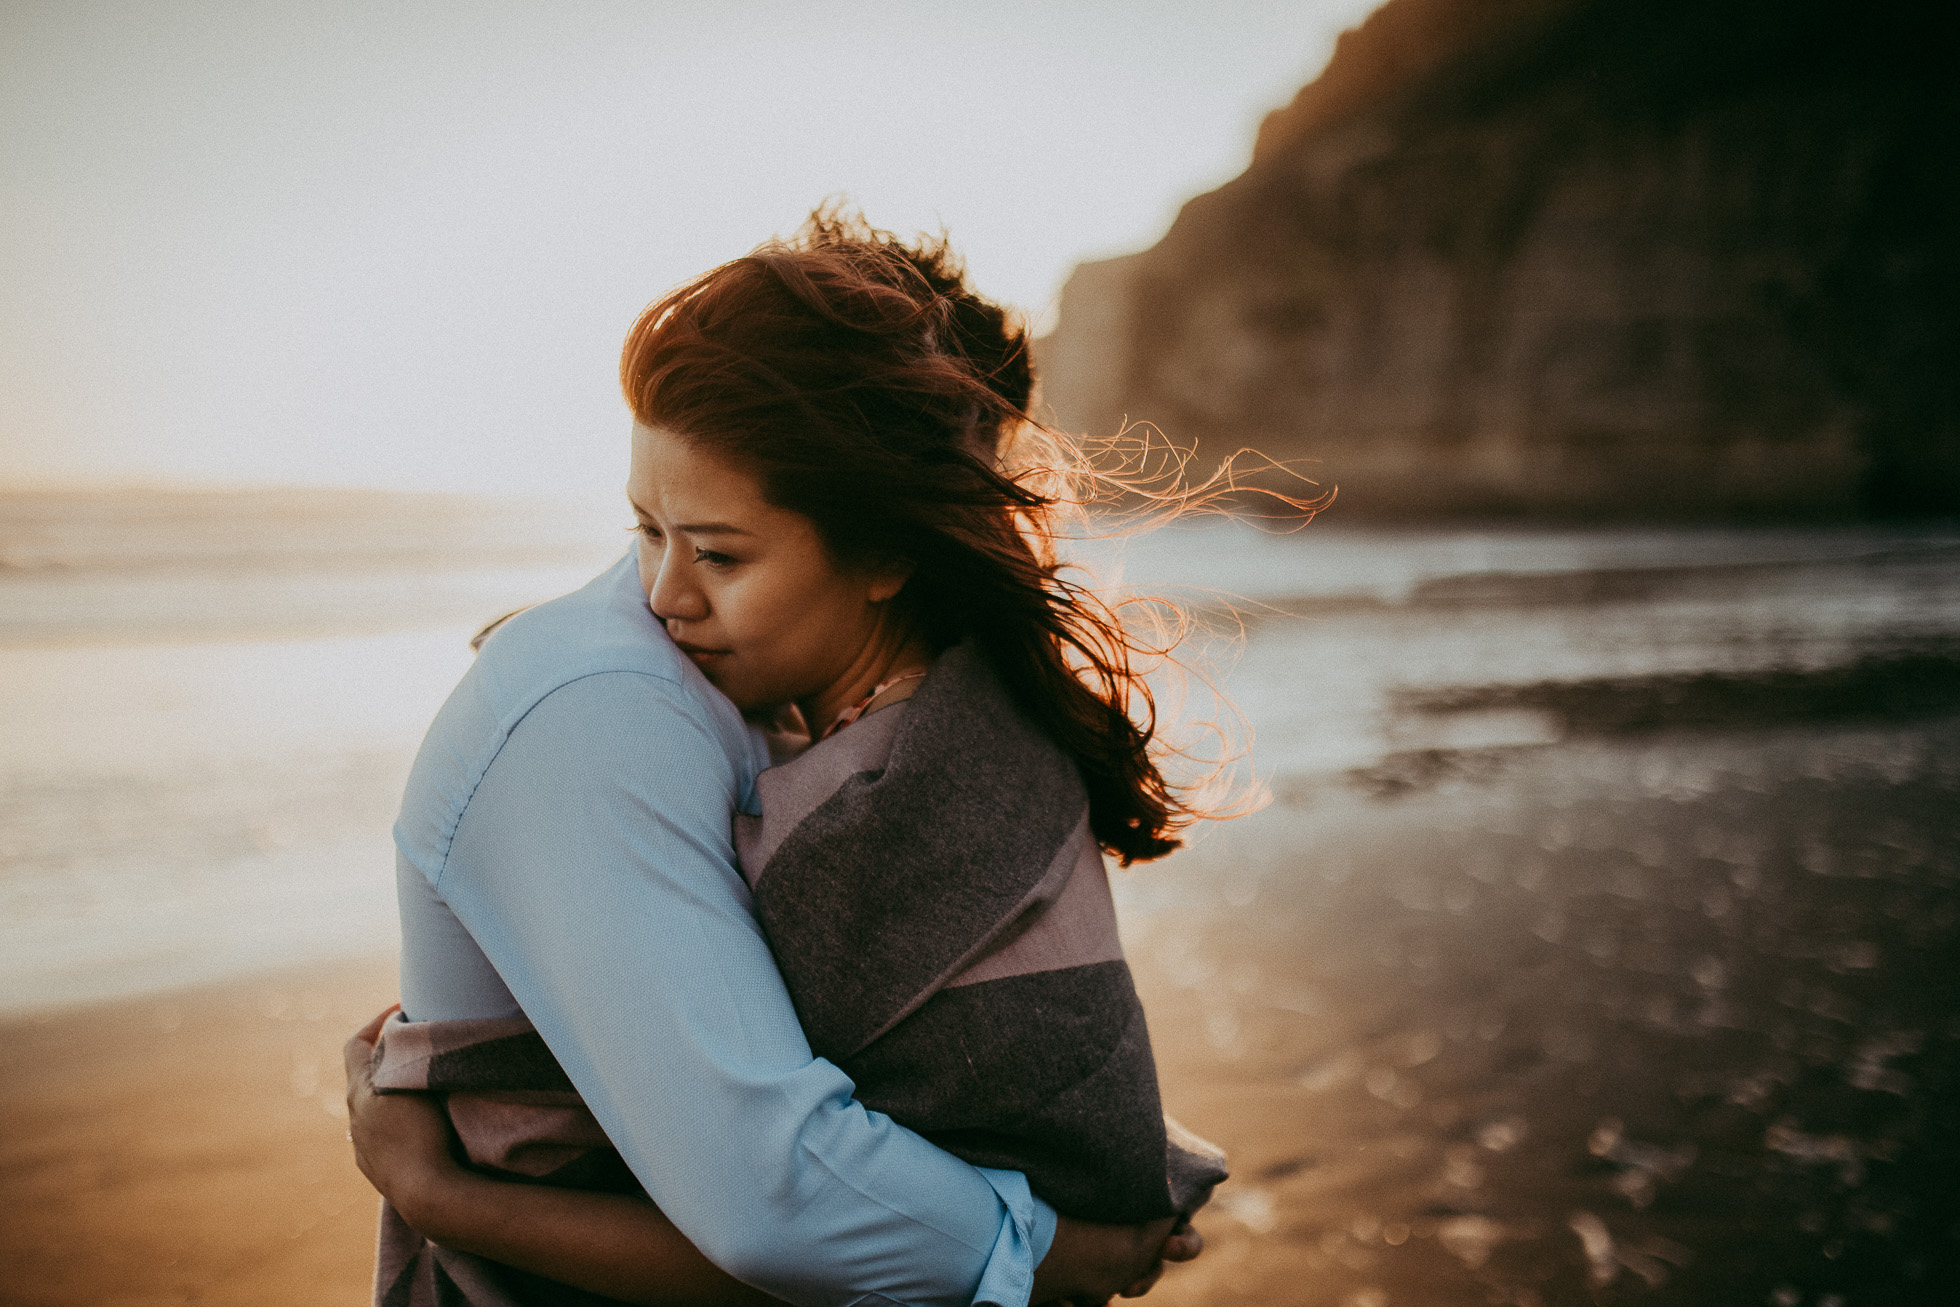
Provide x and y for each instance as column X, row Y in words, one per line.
column 1088, row 1262
column 357, row 1060
column 355, row 1055
column 371, row 1032
column 403, row 1142
column 404, row 1129
column 358, row 1051
column 394, row 1135
column 1181, row 1245
column 1147, row 1262
column 1184, row 1243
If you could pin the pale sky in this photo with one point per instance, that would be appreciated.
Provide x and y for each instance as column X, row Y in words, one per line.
column 398, row 244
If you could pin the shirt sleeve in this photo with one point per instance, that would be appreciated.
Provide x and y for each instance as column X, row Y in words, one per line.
column 593, row 866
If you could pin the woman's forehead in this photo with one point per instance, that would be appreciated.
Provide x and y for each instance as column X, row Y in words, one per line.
column 672, row 477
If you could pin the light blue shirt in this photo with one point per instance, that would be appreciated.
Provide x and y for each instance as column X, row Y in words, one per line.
column 565, row 850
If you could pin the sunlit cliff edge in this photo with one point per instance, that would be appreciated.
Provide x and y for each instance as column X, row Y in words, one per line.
column 1570, row 258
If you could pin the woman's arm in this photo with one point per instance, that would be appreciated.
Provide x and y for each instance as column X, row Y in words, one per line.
column 612, row 1244
column 624, row 1247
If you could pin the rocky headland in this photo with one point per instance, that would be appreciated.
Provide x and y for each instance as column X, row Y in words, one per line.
column 1655, row 259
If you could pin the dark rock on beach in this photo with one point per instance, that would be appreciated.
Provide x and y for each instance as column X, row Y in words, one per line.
column 1630, row 258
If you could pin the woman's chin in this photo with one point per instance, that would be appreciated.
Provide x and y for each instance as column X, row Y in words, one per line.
column 743, row 697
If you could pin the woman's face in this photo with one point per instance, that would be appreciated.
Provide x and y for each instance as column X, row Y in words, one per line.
column 746, row 589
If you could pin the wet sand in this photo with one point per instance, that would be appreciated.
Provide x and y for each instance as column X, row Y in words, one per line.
column 1601, row 945
column 1667, row 1017
column 1663, row 1019
column 188, row 1148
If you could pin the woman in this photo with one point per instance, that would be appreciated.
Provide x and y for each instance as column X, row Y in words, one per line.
column 826, row 530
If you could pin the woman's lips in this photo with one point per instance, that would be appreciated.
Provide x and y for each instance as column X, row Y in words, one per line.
column 699, row 654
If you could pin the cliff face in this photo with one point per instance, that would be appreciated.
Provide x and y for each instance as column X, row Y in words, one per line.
column 1649, row 258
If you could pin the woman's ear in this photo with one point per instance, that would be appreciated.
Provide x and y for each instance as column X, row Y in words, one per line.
column 888, row 580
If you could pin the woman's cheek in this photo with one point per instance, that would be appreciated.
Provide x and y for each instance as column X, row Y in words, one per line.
column 648, row 563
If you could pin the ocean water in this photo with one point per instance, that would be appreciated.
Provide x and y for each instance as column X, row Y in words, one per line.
column 1598, row 939
column 210, row 703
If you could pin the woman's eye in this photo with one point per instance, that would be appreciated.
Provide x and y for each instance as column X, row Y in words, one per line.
column 650, row 532
column 712, row 558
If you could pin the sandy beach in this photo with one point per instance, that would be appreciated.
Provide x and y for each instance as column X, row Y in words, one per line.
column 1598, row 944
column 1662, row 1022
column 187, row 1148
column 1660, row 1018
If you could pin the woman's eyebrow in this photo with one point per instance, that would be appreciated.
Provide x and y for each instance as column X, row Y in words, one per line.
column 698, row 528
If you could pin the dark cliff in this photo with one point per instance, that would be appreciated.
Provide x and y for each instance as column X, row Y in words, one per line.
column 1639, row 258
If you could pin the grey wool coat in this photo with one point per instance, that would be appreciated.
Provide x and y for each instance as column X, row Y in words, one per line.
column 942, row 917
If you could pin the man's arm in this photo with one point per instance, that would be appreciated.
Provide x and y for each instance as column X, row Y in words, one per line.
column 593, row 867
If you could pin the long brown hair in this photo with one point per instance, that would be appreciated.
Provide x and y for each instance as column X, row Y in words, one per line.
column 872, row 392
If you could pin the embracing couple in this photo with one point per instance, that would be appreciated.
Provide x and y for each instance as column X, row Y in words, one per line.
column 756, row 938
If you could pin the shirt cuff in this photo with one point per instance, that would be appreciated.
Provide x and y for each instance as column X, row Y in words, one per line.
column 1025, row 1234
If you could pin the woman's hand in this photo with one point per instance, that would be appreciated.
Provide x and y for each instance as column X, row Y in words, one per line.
column 1090, row 1263
column 610, row 1244
column 402, row 1142
column 1183, row 1244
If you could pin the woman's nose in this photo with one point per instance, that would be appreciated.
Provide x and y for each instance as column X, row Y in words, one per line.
column 674, row 597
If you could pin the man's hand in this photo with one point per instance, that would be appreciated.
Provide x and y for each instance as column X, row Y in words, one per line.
column 1089, row 1264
